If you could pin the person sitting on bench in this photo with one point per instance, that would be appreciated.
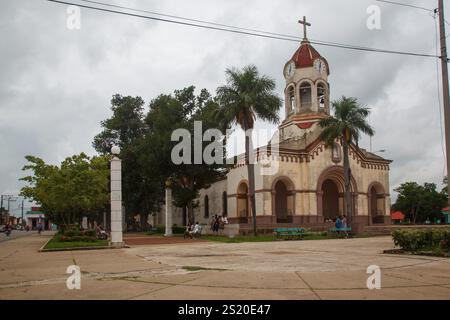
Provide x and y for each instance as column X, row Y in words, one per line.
column 196, row 231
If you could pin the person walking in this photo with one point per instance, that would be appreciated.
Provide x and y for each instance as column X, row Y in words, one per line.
column 216, row 226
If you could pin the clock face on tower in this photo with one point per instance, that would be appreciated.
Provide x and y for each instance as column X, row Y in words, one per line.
column 320, row 66
column 289, row 69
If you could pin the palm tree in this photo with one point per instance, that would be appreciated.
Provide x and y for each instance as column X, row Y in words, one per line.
column 246, row 97
column 347, row 124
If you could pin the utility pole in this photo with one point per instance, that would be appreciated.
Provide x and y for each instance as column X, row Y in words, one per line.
column 445, row 91
column 21, row 221
column 10, row 199
column 5, row 214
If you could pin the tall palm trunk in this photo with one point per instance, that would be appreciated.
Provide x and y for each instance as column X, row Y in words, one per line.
column 249, row 159
column 348, row 202
column 190, row 212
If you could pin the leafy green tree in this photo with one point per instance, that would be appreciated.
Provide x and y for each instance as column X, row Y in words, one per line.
column 180, row 111
column 126, row 128
column 77, row 188
column 145, row 141
column 246, row 97
column 420, row 203
column 347, row 124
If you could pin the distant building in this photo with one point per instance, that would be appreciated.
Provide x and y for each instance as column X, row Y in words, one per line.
column 36, row 216
column 397, row 217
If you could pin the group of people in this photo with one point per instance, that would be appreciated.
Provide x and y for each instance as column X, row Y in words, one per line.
column 341, row 222
column 218, row 223
column 193, row 231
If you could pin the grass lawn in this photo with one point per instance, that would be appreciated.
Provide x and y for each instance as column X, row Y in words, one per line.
column 55, row 243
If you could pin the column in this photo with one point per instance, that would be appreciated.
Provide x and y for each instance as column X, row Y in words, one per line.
column 116, row 199
column 168, row 232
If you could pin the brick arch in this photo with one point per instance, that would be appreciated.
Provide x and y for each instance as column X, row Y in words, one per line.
column 376, row 202
column 336, row 174
column 242, row 201
column 290, row 186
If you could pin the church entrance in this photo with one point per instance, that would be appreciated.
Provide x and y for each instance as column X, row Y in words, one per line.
column 330, row 194
column 376, row 201
column 283, row 200
column 281, row 204
column 330, row 199
column 242, row 202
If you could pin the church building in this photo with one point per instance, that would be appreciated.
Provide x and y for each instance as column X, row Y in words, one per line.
column 307, row 190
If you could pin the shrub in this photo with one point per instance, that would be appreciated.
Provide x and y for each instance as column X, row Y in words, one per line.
column 78, row 235
column 178, row 229
column 416, row 239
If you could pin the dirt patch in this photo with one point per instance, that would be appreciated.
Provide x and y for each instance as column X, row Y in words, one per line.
column 282, row 252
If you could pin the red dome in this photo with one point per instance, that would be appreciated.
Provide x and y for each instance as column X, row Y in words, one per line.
column 306, row 55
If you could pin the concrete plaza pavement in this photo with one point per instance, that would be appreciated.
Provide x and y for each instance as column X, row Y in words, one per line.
column 309, row 269
column 15, row 234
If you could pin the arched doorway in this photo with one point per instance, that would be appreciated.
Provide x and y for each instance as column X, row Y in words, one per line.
column 224, row 204
column 330, row 183
column 376, row 203
column 281, row 204
column 242, row 202
column 330, row 200
column 283, row 200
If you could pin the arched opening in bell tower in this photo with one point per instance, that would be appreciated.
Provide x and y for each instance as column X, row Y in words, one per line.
column 291, row 106
column 305, row 96
column 321, row 97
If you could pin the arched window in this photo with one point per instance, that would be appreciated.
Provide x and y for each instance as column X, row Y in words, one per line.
column 305, row 96
column 321, row 96
column 206, row 207
column 291, row 100
column 224, row 204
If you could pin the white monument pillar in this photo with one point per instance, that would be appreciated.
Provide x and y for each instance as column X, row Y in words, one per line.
column 116, row 198
column 168, row 210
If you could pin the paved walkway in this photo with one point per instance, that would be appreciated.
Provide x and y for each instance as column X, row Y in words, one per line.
column 15, row 234
column 325, row 269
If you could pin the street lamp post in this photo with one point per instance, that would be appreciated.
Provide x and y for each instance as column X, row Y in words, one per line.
column 116, row 198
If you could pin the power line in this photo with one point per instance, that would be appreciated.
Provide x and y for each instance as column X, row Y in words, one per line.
column 406, row 5
column 432, row 12
column 295, row 38
column 263, row 34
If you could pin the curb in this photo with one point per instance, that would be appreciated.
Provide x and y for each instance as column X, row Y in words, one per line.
column 42, row 248
column 427, row 254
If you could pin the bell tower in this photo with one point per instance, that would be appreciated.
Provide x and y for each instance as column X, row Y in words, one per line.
column 307, row 91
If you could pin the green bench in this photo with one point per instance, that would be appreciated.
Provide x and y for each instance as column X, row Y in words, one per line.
column 341, row 231
column 289, row 233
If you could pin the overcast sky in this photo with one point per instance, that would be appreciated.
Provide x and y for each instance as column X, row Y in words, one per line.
column 56, row 84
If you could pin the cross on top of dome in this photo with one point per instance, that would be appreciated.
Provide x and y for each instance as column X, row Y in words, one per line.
column 305, row 25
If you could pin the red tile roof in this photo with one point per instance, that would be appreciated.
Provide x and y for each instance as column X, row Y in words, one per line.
column 397, row 215
column 306, row 55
